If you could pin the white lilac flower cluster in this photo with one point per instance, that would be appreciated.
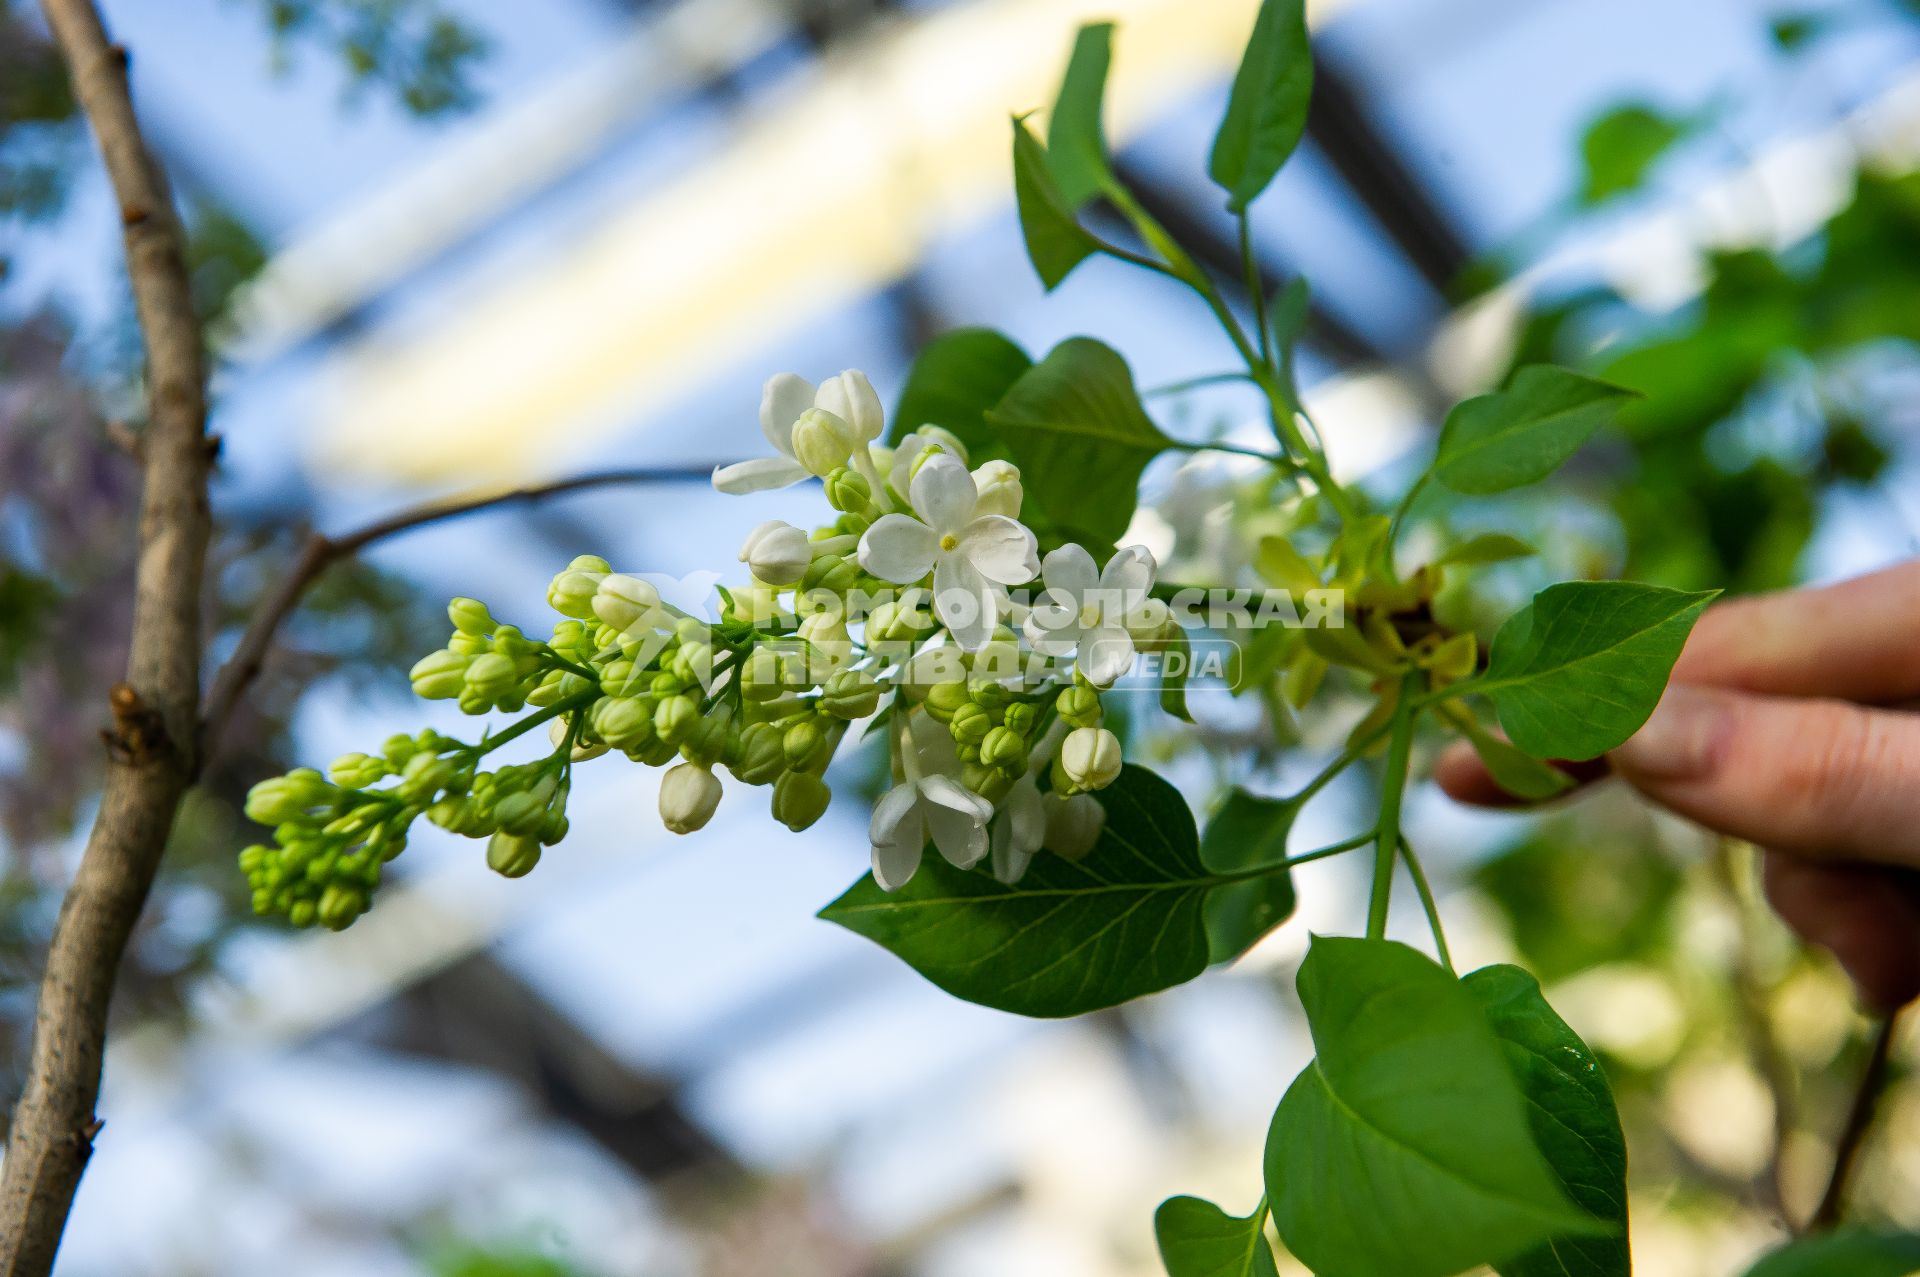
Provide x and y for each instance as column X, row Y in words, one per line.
column 991, row 753
column 897, row 616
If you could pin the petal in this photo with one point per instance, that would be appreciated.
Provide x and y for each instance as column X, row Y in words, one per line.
column 1106, row 654
column 950, row 795
column 1070, row 570
column 959, row 836
column 1000, row 549
column 1026, row 815
column 785, row 396
column 1053, row 624
column 894, row 863
column 891, row 812
column 1129, row 574
column 943, row 493
column 898, row 548
column 964, row 601
column 1010, row 860
column 762, row 474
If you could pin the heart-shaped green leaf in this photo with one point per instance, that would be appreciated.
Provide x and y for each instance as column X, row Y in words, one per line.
column 1854, row 1252
column 1267, row 107
column 1573, row 1118
column 1126, row 920
column 1198, row 1239
column 1056, row 242
column 955, row 378
column 1247, row 832
column 1522, row 434
column 1404, row 1149
column 1075, row 426
column 1578, row 670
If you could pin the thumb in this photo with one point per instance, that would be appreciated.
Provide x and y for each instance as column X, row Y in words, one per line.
column 1823, row 778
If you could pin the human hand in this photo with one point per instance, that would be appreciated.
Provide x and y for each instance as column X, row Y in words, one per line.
column 1781, row 726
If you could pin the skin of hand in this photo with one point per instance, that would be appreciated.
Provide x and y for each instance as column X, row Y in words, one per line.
column 1783, row 726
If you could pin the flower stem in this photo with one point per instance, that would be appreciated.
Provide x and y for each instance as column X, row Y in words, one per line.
column 1425, row 890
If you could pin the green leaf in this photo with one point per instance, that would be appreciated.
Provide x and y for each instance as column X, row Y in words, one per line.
column 1071, row 937
column 1856, row 1252
column 1287, row 313
column 1267, row 109
column 1573, row 1118
column 1246, row 833
column 1522, row 434
column 1519, row 773
column 1620, row 147
column 1056, row 243
column 1488, row 547
column 1076, row 143
column 1578, row 670
column 955, row 379
column 1403, row 1150
column 1198, row 1239
column 1076, row 428
column 1176, row 667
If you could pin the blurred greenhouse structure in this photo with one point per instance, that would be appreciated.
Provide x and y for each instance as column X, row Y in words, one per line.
column 648, row 1059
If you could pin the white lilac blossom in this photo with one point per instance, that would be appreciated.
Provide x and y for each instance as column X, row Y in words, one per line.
column 1088, row 610
column 1019, row 830
column 689, row 793
column 972, row 556
column 1090, row 757
column 929, row 805
column 844, row 408
column 1074, row 822
column 908, row 453
column 998, row 483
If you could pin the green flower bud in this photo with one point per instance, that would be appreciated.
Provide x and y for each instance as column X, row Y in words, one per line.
column 469, row 644
column 666, row 683
column 849, row 492
column 622, row 723
column 1078, row 706
column 706, row 742
column 254, row 858
column 760, row 675
column 555, row 827
column 620, row 678
column 990, row 783
column 655, row 753
column 943, row 699
column 439, row 676
column 571, row 592
column 763, row 755
column 850, row 694
column 303, row 914
column 799, row 799
column 822, row 441
column 470, row 616
column 1090, row 758
column 356, row 771
column 688, row 795
column 970, row 724
column 279, row 800
column 804, row 744
column 988, row 693
column 1021, row 717
column 424, row 776
column 1004, row 749
column 492, row 677
column 521, row 813
column 512, row 855
column 833, row 573
column 692, row 663
column 339, row 906
column 675, row 718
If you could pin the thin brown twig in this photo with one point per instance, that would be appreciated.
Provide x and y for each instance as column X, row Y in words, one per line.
column 151, row 746
column 1846, row 1150
column 321, row 552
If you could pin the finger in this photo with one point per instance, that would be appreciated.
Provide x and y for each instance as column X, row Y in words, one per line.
column 1852, row 641
column 1823, row 778
column 1867, row 917
column 1465, row 779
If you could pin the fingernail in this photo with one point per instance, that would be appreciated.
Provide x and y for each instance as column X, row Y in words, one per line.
column 1682, row 738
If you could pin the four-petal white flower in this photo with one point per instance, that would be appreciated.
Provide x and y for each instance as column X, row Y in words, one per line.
column 973, row 557
column 1019, row 830
column 1089, row 609
column 928, row 804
